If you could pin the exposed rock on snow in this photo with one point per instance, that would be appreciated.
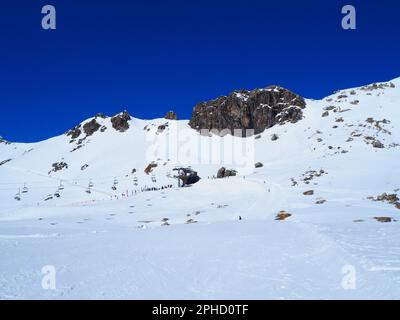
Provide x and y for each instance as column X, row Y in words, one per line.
column 191, row 221
column 171, row 115
column 378, row 144
column 224, row 173
column 101, row 115
column 376, row 86
column 162, row 127
column 259, row 109
column 120, row 122
column 58, row 166
column 391, row 198
column 75, row 132
column 2, row 140
column 150, row 168
column 384, row 219
column 282, row 215
column 259, row 165
column 274, row 137
column 91, row 127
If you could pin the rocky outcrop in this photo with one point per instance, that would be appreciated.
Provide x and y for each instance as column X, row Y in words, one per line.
column 58, row 166
column 224, row 173
column 390, row 198
column 101, row 115
column 120, row 122
column 2, row 140
column 171, row 115
column 384, row 219
column 91, row 127
column 377, row 144
column 258, row 165
column 259, row 109
column 75, row 132
column 150, row 168
column 282, row 215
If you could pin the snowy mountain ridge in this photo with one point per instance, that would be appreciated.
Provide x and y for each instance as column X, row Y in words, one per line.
column 311, row 197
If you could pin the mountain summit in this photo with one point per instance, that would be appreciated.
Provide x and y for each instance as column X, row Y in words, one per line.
column 258, row 109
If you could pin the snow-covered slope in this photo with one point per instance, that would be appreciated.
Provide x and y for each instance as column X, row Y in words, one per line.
column 219, row 238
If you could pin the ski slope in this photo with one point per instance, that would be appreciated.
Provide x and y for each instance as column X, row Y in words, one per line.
column 219, row 238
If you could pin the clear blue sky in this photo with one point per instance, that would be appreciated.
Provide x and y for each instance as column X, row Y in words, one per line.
column 152, row 56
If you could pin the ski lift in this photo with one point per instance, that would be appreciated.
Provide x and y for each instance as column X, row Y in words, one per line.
column 25, row 189
column 186, row 176
column 18, row 195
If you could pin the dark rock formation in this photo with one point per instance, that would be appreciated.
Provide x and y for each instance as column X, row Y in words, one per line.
column 101, row 115
column 391, row 198
column 150, row 168
column 259, row 109
column 2, row 140
column 259, row 165
column 171, row 115
column 75, row 132
column 274, row 137
column 378, row 144
column 91, row 127
column 58, row 166
column 162, row 127
column 282, row 215
column 384, row 219
column 224, row 173
column 120, row 121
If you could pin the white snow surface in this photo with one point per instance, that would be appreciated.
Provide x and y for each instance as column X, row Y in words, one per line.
column 105, row 245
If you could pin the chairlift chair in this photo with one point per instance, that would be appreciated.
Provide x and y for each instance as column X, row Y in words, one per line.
column 18, row 196
column 88, row 191
column 25, row 189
